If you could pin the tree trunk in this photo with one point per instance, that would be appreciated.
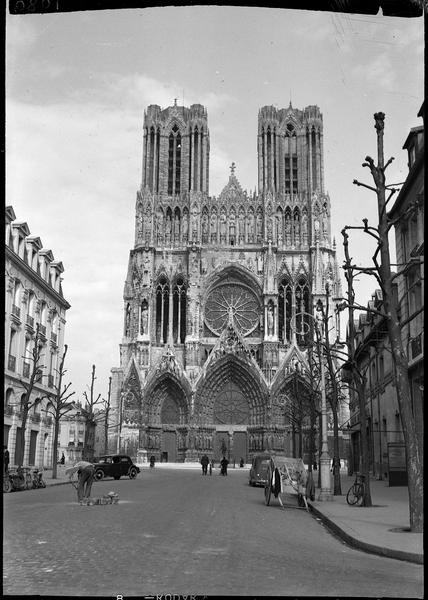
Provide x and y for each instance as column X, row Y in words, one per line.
column 55, row 448
column 414, row 445
column 336, row 456
column 21, row 442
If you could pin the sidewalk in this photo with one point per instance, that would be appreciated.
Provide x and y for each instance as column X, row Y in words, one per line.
column 381, row 529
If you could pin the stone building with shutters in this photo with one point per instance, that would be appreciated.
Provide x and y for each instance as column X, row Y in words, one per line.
column 220, row 291
column 33, row 297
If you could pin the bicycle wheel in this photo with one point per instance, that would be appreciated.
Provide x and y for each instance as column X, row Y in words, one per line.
column 352, row 496
column 360, row 494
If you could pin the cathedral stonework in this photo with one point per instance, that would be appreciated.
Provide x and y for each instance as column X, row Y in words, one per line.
column 220, row 290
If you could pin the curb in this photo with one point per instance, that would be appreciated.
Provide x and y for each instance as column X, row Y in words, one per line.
column 364, row 546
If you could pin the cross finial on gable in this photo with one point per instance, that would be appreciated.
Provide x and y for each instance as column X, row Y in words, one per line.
column 232, row 168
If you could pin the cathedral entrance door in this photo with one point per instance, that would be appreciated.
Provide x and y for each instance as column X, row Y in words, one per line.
column 239, row 446
column 221, row 445
column 169, row 446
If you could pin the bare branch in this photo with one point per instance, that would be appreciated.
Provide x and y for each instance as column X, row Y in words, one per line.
column 369, row 187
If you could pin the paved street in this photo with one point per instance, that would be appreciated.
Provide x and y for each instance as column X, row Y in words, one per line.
column 176, row 532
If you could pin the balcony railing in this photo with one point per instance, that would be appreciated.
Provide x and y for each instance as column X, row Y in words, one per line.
column 47, row 421
column 36, row 418
column 11, row 363
column 16, row 311
column 42, row 329
column 8, row 410
column 26, row 370
column 54, row 337
column 30, row 321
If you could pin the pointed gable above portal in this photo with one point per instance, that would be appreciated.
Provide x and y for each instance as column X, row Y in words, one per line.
column 232, row 190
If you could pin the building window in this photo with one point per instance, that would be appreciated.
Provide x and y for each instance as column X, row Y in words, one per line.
column 162, row 311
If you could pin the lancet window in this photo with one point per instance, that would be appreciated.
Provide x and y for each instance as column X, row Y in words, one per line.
column 128, row 320
column 162, row 311
column 171, row 305
column 285, row 304
column 179, row 312
column 294, row 321
column 303, row 319
column 290, row 160
column 174, row 162
column 152, row 159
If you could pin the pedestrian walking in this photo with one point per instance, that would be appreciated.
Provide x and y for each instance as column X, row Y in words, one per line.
column 204, row 462
column 224, row 462
column 62, row 461
column 5, row 460
column 211, row 466
column 85, row 471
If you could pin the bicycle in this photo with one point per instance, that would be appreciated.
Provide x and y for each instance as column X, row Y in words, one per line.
column 355, row 495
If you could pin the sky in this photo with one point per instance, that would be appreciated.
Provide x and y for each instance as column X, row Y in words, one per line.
column 77, row 85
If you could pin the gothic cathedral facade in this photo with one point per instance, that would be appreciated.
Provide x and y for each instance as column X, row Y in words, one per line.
column 220, row 291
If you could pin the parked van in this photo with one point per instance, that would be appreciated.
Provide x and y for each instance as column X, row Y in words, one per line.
column 258, row 470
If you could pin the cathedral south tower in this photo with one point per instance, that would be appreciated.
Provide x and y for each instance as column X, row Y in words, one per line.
column 220, row 291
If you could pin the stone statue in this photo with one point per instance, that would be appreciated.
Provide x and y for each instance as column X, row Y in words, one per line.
column 176, row 227
column 185, row 230
column 232, row 226
column 223, row 226
column 213, row 227
column 205, row 225
column 144, row 319
column 251, row 226
column 168, row 229
column 241, row 225
column 259, row 227
column 270, row 319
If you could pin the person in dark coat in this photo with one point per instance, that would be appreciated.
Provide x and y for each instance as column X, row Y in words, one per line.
column 204, row 462
column 5, row 459
column 62, row 461
column 224, row 462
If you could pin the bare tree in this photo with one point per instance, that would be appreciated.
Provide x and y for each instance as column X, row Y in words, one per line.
column 382, row 271
column 60, row 406
column 36, row 374
column 90, row 420
column 354, row 375
column 102, row 416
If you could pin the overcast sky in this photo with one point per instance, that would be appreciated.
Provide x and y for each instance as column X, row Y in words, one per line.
column 76, row 88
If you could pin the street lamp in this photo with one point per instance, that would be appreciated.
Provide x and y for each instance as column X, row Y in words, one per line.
column 325, row 492
column 119, row 429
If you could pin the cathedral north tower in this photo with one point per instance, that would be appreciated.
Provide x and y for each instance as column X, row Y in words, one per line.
column 176, row 149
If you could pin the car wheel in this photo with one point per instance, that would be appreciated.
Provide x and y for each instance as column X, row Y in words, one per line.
column 7, row 486
column 99, row 475
column 117, row 477
column 132, row 473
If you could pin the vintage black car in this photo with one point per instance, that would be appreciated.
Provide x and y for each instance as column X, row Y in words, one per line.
column 115, row 465
column 258, row 469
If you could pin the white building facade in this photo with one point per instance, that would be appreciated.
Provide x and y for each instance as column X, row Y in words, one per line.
column 33, row 295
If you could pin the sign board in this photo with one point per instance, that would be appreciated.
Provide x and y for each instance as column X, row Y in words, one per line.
column 397, row 463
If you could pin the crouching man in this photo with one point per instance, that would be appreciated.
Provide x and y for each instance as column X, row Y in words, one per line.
column 85, row 471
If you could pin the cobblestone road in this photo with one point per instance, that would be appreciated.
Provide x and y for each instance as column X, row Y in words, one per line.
column 176, row 532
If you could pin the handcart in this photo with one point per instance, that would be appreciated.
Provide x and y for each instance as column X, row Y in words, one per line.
column 286, row 477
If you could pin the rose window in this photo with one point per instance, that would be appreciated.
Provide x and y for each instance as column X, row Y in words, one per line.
column 231, row 406
column 235, row 300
